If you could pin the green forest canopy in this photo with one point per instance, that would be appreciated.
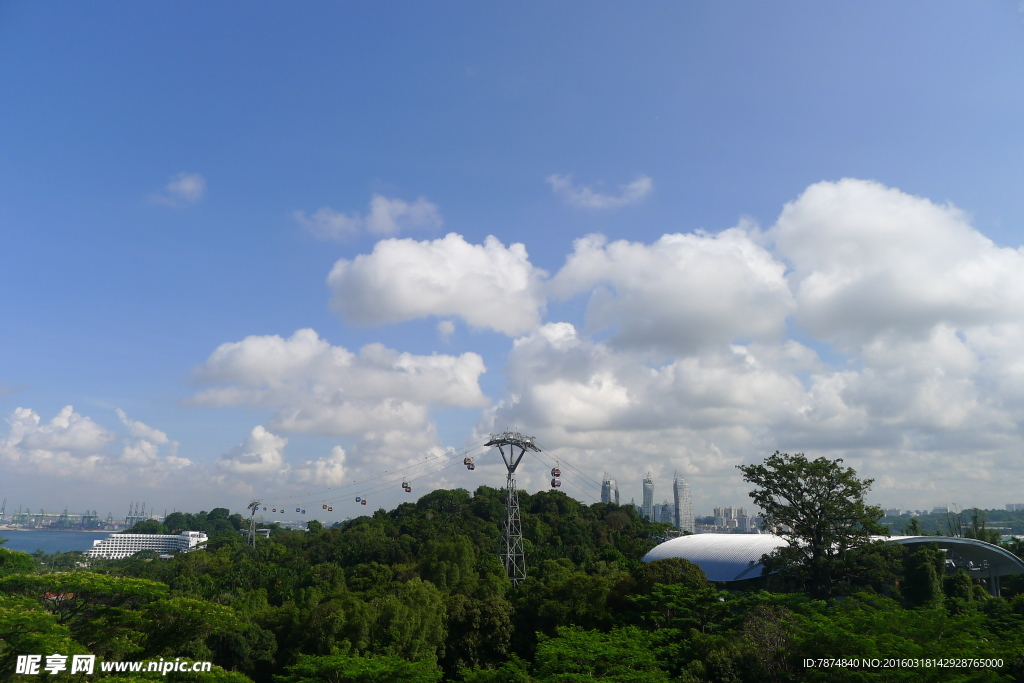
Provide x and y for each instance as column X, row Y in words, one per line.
column 418, row 594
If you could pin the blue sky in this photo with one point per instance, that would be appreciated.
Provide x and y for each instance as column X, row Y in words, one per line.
column 120, row 285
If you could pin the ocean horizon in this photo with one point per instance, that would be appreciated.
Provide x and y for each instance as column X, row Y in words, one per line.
column 30, row 541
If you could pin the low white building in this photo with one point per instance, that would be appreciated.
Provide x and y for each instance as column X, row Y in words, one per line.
column 120, row 546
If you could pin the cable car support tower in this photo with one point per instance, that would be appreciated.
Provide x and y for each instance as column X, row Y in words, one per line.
column 512, row 533
column 253, row 507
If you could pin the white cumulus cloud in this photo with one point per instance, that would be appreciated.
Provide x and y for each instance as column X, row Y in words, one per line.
column 866, row 323
column 682, row 291
column 391, row 216
column 584, row 196
column 141, row 430
column 72, row 446
column 920, row 315
column 261, row 454
column 259, row 465
column 318, row 388
column 445, row 330
column 329, row 471
column 487, row 285
column 869, row 259
column 385, row 216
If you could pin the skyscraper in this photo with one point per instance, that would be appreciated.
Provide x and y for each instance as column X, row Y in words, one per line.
column 648, row 506
column 666, row 513
column 684, row 504
column 609, row 490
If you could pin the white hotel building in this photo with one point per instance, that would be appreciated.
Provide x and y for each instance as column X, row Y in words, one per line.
column 120, row 546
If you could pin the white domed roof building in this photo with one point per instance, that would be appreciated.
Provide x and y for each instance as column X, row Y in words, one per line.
column 726, row 558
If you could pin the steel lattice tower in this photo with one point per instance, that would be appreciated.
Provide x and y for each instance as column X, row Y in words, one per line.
column 512, row 533
column 253, row 507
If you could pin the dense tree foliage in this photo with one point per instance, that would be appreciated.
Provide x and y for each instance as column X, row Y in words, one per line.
column 818, row 507
column 216, row 521
column 417, row 594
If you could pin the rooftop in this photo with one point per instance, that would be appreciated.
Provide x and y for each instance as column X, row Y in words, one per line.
column 737, row 557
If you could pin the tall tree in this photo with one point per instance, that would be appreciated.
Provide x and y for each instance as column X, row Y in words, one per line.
column 978, row 530
column 923, row 572
column 818, row 507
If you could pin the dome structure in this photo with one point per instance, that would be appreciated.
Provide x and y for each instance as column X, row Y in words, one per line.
column 737, row 557
column 722, row 557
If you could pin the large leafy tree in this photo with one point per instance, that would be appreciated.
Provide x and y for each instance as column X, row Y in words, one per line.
column 12, row 562
column 818, row 506
column 27, row 628
column 923, row 570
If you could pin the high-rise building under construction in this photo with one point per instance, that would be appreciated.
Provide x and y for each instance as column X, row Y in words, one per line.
column 647, row 509
column 609, row 490
column 684, row 504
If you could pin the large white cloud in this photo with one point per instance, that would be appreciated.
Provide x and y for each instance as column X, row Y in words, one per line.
column 925, row 312
column 905, row 357
column 259, row 466
column 67, row 431
column 606, row 409
column 318, row 388
column 72, row 446
column 905, row 361
column 869, row 259
column 581, row 394
column 141, row 430
column 681, row 292
column 488, row 285
column 329, row 471
column 261, row 454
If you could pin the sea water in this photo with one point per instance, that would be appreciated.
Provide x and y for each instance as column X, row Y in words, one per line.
column 50, row 541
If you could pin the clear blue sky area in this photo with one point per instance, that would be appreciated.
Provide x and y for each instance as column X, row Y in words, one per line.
column 116, row 287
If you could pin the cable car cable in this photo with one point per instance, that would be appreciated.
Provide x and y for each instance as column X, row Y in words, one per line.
column 569, row 464
column 583, row 491
column 318, row 494
column 337, row 492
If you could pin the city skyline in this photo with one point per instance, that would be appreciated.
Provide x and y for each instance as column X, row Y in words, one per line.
column 136, row 513
column 246, row 260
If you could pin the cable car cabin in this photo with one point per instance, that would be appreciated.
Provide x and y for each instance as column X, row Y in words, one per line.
column 405, row 484
column 555, row 483
column 274, row 510
column 363, row 501
column 296, row 509
column 555, row 472
column 467, row 461
column 471, row 466
column 264, row 509
column 358, row 498
column 408, row 489
column 330, row 509
column 303, row 512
